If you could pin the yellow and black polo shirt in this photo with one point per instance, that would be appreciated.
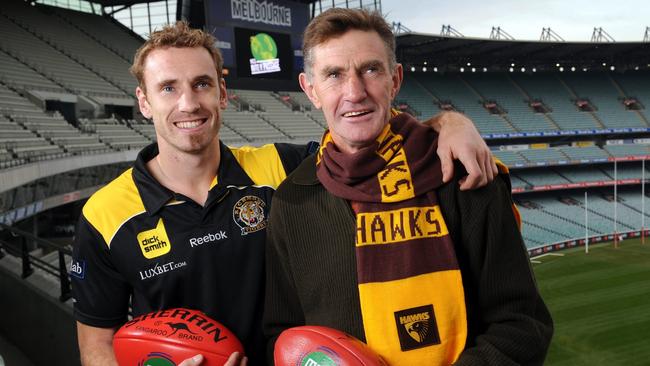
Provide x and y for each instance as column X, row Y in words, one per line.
column 136, row 240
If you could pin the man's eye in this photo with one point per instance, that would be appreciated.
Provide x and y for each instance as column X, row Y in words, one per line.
column 372, row 70
column 202, row 84
column 333, row 75
column 167, row 89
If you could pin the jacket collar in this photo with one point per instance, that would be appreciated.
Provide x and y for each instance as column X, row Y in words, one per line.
column 305, row 173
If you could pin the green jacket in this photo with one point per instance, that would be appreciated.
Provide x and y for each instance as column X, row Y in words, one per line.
column 311, row 268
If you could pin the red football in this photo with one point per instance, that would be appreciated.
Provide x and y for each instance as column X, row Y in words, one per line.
column 315, row 345
column 167, row 337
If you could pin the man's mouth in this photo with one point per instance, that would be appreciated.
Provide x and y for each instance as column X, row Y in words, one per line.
column 356, row 113
column 190, row 124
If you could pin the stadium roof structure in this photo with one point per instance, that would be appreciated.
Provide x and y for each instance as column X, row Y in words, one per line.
column 453, row 53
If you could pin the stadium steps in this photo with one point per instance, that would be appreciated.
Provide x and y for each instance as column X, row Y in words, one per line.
column 608, row 100
column 575, row 96
column 105, row 28
column 546, row 229
column 424, row 104
column 529, row 98
column 598, row 120
column 622, row 93
column 270, row 123
column 521, row 179
column 643, row 118
column 24, row 75
column 91, row 36
column 634, row 85
column 29, row 19
column 570, row 220
column 83, row 63
column 507, row 121
column 48, row 61
column 471, row 87
column 562, row 175
column 607, row 218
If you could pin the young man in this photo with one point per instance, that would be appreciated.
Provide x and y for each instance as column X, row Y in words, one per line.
column 364, row 239
column 185, row 226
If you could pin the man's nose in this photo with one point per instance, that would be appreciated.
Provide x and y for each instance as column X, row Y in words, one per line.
column 188, row 102
column 355, row 88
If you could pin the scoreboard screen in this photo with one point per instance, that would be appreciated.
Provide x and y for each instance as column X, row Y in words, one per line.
column 263, row 54
column 259, row 39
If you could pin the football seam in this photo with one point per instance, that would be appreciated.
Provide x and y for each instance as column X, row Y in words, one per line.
column 185, row 345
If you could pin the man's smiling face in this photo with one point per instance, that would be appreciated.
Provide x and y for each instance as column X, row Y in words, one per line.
column 184, row 96
column 353, row 83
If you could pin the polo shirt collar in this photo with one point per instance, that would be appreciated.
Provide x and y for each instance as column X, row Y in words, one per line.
column 154, row 195
column 230, row 173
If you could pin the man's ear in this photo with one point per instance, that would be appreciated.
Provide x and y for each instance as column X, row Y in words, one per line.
column 308, row 88
column 145, row 108
column 223, row 94
column 398, row 76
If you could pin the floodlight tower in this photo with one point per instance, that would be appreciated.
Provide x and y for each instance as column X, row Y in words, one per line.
column 599, row 35
column 498, row 33
column 548, row 35
column 449, row 31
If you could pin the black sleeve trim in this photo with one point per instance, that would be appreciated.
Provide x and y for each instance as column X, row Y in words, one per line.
column 292, row 155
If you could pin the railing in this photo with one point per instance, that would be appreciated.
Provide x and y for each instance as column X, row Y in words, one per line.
column 30, row 261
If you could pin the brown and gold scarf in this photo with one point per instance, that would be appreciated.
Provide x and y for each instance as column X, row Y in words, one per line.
column 410, row 286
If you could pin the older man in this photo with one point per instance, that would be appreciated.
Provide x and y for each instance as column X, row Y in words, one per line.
column 365, row 237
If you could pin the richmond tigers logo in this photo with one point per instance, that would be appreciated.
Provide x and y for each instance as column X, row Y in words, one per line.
column 248, row 214
column 417, row 327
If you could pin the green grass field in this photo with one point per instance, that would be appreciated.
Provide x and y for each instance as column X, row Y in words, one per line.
column 600, row 304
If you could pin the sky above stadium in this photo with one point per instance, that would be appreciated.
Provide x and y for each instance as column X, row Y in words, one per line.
column 573, row 20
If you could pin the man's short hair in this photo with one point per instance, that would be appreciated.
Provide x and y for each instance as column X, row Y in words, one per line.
column 336, row 21
column 178, row 35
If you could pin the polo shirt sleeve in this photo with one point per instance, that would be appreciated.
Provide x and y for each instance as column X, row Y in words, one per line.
column 292, row 155
column 100, row 294
column 269, row 165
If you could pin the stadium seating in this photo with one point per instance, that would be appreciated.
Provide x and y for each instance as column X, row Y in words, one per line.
column 577, row 174
column 15, row 73
column 109, row 33
column 553, row 92
column 118, row 136
column 509, row 157
column 49, row 53
column 62, row 52
column 466, row 99
column 543, row 155
column 290, row 124
column 634, row 84
column 539, row 177
column 500, row 88
column 602, row 93
column 627, row 150
column 577, row 153
column 418, row 98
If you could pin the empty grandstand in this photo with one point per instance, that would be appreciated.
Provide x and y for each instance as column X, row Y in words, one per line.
column 69, row 123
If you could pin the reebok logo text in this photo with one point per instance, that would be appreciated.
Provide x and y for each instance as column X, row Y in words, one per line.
column 208, row 238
